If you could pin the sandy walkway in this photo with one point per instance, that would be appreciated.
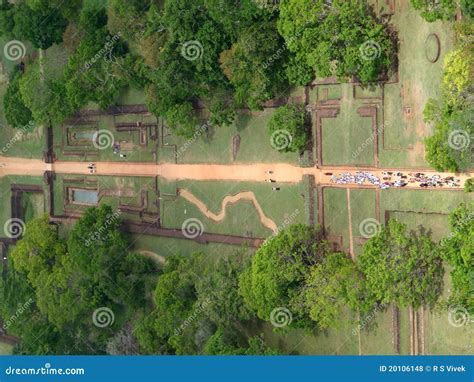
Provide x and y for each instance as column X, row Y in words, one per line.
column 256, row 172
column 231, row 199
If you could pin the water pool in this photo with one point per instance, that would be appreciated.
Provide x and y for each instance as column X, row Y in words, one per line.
column 85, row 196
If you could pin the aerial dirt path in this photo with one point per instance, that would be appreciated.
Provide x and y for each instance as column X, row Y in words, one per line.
column 230, row 199
column 256, row 172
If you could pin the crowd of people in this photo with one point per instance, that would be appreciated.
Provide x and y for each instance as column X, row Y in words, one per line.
column 395, row 179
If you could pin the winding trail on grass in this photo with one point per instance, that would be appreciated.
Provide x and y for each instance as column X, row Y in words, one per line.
column 230, row 199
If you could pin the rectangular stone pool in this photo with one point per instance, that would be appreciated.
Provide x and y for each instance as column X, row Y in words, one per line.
column 83, row 196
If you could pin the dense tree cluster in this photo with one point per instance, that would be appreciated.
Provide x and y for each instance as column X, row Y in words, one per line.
column 290, row 124
column 68, row 280
column 16, row 111
column 199, row 59
column 458, row 250
column 432, row 10
column 451, row 145
column 402, row 267
column 26, row 21
column 197, row 310
column 341, row 38
column 199, row 304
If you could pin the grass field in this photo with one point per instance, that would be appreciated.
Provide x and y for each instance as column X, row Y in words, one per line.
column 216, row 146
column 241, row 218
column 429, row 209
column 336, row 215
column 344, row 134
column 164, row 246
column 418, row 80
column 331, row 342
column 33, row 204
column 442, row 337
column 5, row 349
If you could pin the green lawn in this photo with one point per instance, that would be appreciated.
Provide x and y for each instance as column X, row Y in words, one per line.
column 164, row 246
column 33, row 204
column 340, row 341
column 241, row 218
column 377, row 340
column 216, row 146
column 348, row 138
column 442, row 338
column 429, row 209
column 362, row 208
column 418, row 80
column 5, row 349
column 335, row 213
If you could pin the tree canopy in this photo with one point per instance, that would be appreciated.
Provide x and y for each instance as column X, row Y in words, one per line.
column 279, row 270
column 402, row 267
column 288, row 128
column 30, row 25
column 432, row 10
column 197, row 309
column 331, row 286
column 339, row 38
column 457, row 250
column 17, row 112
column 71, row 279
column 450, row 146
